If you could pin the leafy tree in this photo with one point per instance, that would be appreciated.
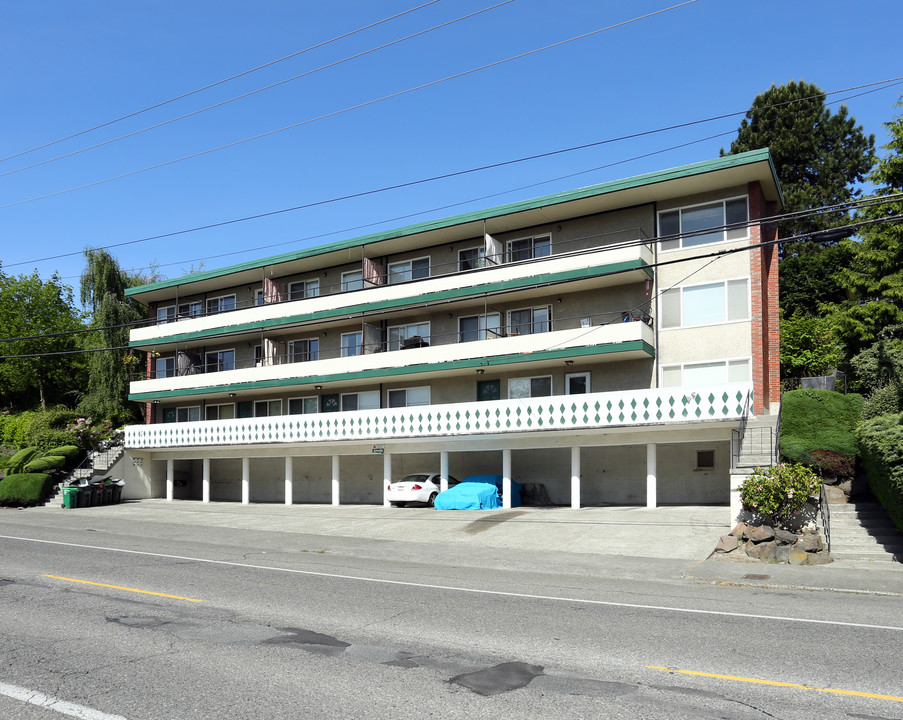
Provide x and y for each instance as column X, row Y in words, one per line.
column 809, row 347
column 40, row 311
column 103, row 285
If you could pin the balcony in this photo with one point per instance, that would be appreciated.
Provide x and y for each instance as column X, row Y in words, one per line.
column 593, row 411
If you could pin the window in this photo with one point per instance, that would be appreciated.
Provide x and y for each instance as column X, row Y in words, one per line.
column 258, row 356
column 304, row 350
column 188, row 414
column 529, row 248
column 529, row 321
column 220, row 304
column 708, row 373
column 361, row 401
column 352, row 280
column 352, row 344
column 479, row 327
column 471, row 258
column 705, row 304
column 303, row 406
column 414, row 335
column 166, row 314
column 267, row 408
column 577, row 383
column 409, row 270
column 165, row 367
column 691, row 224
column 259, row 298
column 519, row 388
column 220, row 360
column 190, row 309
column 488, row 390
column 409, row 397
column 303, row 289
column 705, row 460
column 226, row 411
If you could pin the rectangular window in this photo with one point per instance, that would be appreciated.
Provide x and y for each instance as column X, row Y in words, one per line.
column 220, row 304
column 165, row 367
column 529, row 321
column 352, row 280
column 489, row 390
column 472, row 258
column 361, row 401
column 304, row 350
column 529, row 248
column 303, row 289
column 408, row 336
column 409, row 397
column 705, row 460
column 708, row 304
column 479, row 327
column 188, row 414
column 190, row 309
column 220, row 360
column 704, row 224
column 303, row 406
column 577, row 383
column 352, row 344
column 520, row 388
column 707, row 373
column 267, row 408
column 409, row 270
column 166, row 314
column 225, row 411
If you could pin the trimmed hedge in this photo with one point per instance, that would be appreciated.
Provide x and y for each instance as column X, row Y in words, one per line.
column 20, row 459
column 70, row 452
column 881, row 449
column 25, row 489
column 818, row 425
column 45, row 464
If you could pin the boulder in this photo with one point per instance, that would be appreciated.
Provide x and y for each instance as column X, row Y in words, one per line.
column 762, row 550
column 809, row 543
column 727, row 543
column 797, row 557
column 761, row 533
column 782, row 553
column 821, row 558
column 740, row 531
column 784, row 537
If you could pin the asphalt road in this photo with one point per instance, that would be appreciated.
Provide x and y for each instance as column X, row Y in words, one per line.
column 141, row 620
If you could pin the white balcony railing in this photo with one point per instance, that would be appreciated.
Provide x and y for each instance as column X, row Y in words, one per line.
column 560, row 412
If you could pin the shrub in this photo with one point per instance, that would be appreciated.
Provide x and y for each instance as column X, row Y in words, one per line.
column 881, row 449
column 89, row 434
column 50, row 429
column 819, row 420
column 45, row 464
column 779, row 492
column 70, row 452
column 832, row 464
column 25, row 489
column 20, row 459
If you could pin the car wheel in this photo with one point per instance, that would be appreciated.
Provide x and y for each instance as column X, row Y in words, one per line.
column 432, row 500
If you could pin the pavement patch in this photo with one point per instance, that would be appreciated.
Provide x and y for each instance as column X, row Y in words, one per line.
column 499, row 679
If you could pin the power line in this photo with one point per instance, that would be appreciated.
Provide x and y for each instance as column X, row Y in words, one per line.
column 218, row 82
column 255, row 92
column 347, row 109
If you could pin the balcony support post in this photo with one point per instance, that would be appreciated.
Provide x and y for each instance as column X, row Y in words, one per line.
column 506, row 478
column 651, row 476
column 246, row 481
column 335, row 479
column 289, row 480
column 205, row 480
column 170, row 478
column 443, row 470
column 387, row 477
column 575, row 477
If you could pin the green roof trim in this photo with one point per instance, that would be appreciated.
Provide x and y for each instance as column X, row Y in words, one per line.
column 707, row 166
column 512, row 359
column 370, row 307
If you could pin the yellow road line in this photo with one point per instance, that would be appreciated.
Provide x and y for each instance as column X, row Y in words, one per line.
column 118, row 587
column 777, row 683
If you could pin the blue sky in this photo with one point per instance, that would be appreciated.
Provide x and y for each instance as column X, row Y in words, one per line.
column 71, row 66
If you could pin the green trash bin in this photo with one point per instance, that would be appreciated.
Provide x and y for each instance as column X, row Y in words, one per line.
column 70, row 497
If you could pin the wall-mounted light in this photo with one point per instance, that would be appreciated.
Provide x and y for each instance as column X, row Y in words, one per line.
column 480, row 371
column 156, row 402
column 231, row 394
column 318, row 387
column 568, row 362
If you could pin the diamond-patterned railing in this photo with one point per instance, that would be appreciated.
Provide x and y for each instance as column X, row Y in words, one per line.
column 594, row 410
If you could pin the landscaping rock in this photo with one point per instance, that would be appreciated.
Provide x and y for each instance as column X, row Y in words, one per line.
column 798, row 558
column 782, row 553
column 760, row 534
column 727, row 543
column 784, row 537
column 821, row 558
column 809, row 543
column 762, row 550
column 740, row 531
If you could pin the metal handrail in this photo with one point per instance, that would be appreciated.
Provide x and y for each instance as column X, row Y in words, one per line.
column 825, row 513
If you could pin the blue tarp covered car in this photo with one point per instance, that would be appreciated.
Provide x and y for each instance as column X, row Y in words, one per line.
column 476, row 492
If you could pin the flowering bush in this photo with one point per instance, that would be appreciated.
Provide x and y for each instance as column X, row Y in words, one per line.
column 779, row 491
column 91, row 435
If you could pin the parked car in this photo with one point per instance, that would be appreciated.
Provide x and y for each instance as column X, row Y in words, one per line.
column 416, row 488
column 477, row 492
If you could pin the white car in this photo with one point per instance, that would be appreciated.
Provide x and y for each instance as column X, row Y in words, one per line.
column 416, row 488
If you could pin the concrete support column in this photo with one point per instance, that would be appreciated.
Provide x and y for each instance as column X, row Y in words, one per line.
column 443, row 471
column 246, row 481
column 506, row 478
column 575, row 478
column 335, row 480
column 205, row 480
column 651, row 476
column 170, row 479
column 387, row 477
column 736, row 504
column 289, row 480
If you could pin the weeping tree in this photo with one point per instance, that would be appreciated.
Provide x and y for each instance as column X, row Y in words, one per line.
column 103, row 285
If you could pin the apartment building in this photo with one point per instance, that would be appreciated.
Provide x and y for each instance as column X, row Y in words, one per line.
column 598, row 345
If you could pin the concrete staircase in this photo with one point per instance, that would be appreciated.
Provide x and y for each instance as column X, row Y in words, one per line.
column 863, row 531
column 757, row 449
